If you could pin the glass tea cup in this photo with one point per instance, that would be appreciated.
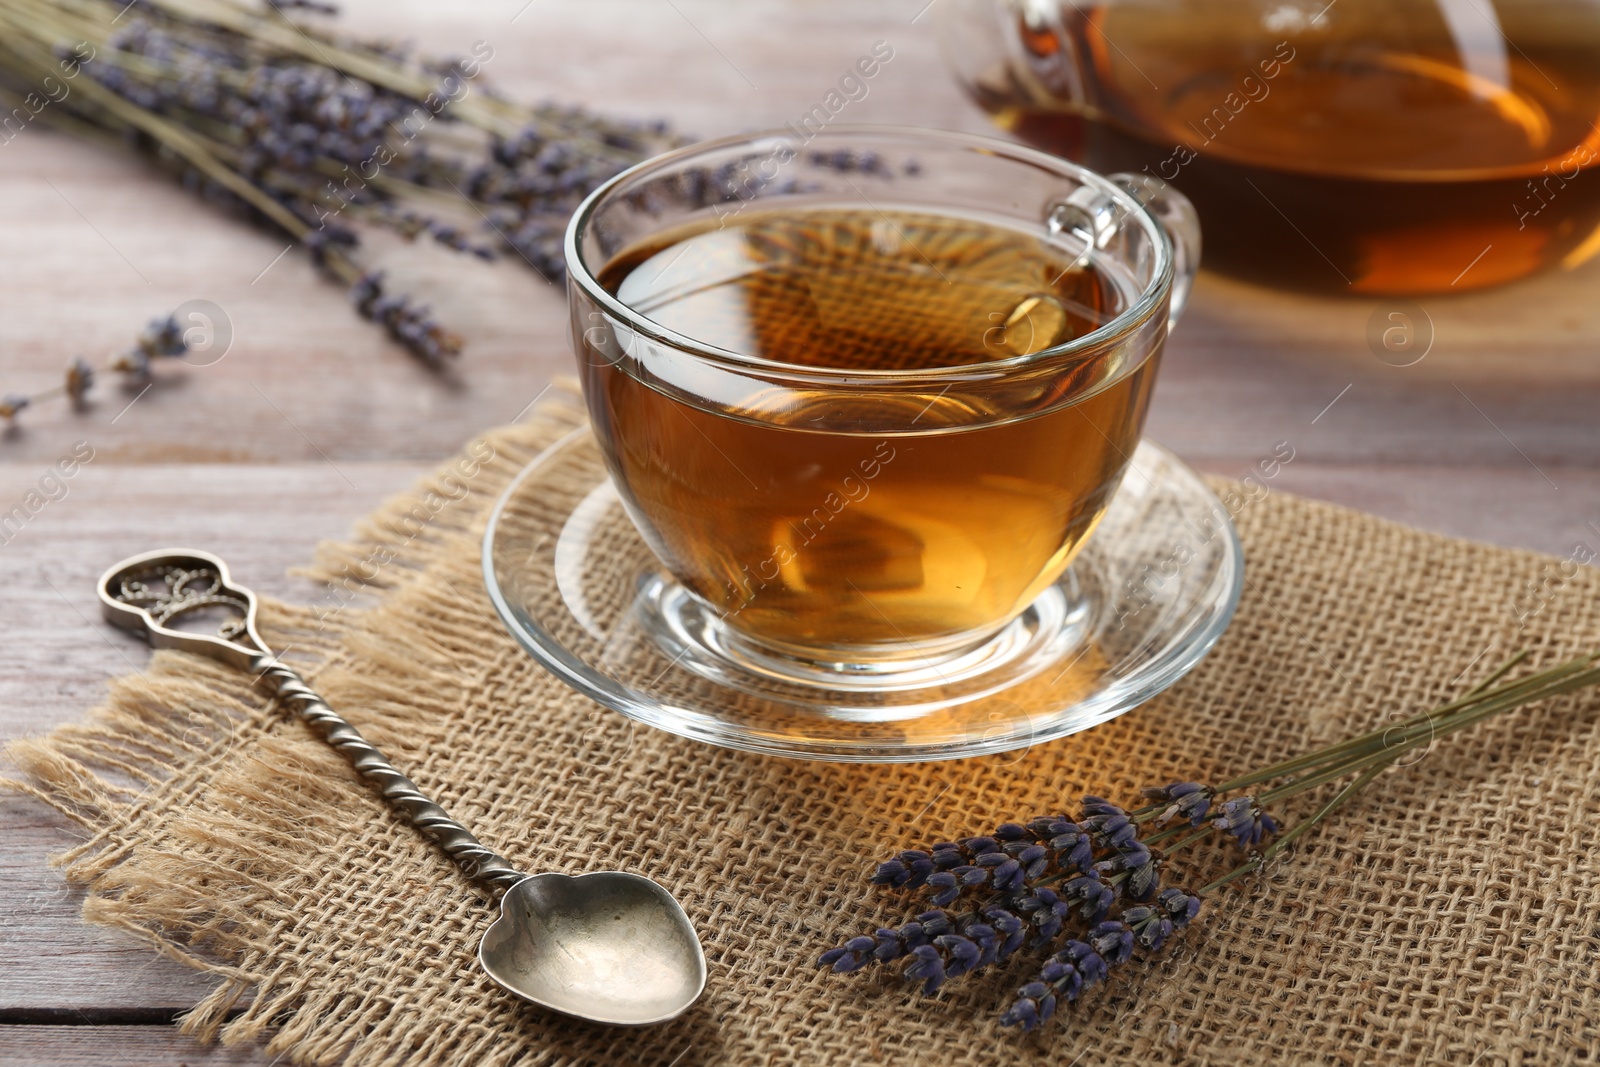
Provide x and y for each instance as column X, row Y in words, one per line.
column 866, row 391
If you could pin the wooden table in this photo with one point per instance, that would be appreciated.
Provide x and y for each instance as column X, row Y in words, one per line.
column 312, row 419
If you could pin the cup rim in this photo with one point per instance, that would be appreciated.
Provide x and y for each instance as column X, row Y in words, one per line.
column 1122, row 325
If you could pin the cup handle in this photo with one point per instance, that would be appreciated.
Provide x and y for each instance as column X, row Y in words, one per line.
column 1178, row 217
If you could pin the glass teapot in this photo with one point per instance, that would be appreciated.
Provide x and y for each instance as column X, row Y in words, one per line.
column 1361, row 146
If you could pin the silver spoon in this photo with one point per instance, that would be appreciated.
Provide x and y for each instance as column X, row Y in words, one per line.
column 607, row 946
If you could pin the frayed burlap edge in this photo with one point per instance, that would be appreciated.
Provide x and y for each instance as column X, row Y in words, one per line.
column 155, row 741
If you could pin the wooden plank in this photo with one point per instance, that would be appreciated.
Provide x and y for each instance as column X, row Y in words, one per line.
column 265, row 519
column 125, row 1046
column 1511, row 377
column 1509, row 505
column 56, row 968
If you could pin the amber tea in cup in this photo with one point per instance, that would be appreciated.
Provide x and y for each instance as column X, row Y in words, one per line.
column 866, row 409
column 812, row 538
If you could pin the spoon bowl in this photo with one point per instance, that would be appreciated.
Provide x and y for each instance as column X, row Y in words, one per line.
column 607, row 946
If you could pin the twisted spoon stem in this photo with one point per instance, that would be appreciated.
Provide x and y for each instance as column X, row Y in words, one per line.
column 470, row 854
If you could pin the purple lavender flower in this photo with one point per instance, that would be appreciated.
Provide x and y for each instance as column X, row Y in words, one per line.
column 1089, row 963
column 411, row 325
column 1065, row 975
column 320, row 242
column 1107, row 825
column 1090, row 895
column 937, row 945
column 80, row 378
column 163, row 337
column 1243, row 818
column 944, row 887
column 886, row 945
column 962, row 954
column 949, row 956
column 134, row 363
column 1178, row 906
column 999, row 870
column 1189, row 801
column 963, row 864
column 850, row 956
column 1072, row 848
column 12, row 403
column 1111, row 831
column 908, row 870
column 1113, row 940
column 927, row 965
column 1150, row 927
column 1065, row 971
column 1010, row 929
column 967, row 847
column 1094, row 806
column 1046, row 910
column 1034, row 1005
column 1142, row 870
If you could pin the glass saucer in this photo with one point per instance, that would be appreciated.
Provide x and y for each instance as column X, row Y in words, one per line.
column 1143, row 602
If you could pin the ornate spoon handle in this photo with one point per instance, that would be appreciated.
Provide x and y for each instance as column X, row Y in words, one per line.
column 470, row 854
column 145, row 593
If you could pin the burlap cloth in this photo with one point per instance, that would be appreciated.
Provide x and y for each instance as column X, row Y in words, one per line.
column 1450, row 915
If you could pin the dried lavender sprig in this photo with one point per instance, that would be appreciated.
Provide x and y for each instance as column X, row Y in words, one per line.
column 1352, row 751
column 1483, row 701
column 162, row 338
column 1243, row 817
column 268, row 114
column 1514, row 694
column 407, row 323
column 1381, row 746
column 1255, row 863
column 1578, row 673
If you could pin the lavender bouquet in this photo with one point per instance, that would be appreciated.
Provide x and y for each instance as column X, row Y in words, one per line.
column 315, row 135
column 1091, row 889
